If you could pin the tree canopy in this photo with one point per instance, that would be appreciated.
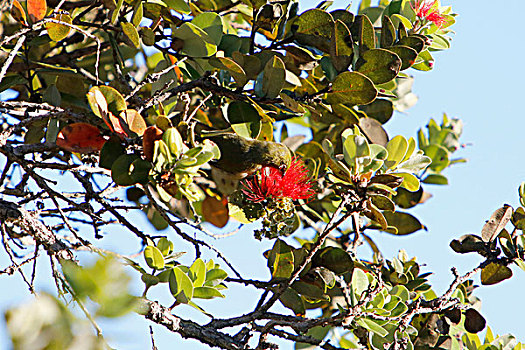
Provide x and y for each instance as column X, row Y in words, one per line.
column 191, row 115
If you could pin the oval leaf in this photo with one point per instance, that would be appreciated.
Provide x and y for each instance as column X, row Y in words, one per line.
column 352, row 88
column 58, row 31
column 154, row 257
column 215, row 212
column 404, row 222
column 495, row 273
column 36, row 9
column 497, row 222
column 474, row 322
column 80, row 138
column 379, row 65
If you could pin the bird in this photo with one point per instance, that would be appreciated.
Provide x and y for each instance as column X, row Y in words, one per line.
column 242, row 157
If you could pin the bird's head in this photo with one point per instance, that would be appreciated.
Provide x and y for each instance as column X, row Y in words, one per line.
column 278, row 156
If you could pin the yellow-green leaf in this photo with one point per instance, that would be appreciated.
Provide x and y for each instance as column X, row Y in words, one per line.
column 154, row 257
column 131, row 33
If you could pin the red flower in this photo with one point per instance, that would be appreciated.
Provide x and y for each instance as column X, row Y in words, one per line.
column 269, row 182
column 428, row 10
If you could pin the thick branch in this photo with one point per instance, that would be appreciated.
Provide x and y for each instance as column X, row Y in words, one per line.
column 189, row 329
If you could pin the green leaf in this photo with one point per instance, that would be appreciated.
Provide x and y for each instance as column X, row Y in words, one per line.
column 381, row 110
column 179, row 6
column 149, row 280
column 518, row 218
column 206, row 293
column 414, row 164
column 211, row 23
column 110, row 152
column 506, row 244
column 341, row 48
column 113, row 99
column 406, row 199
column 181, row 286
column 379, row 65
column 273, row 77
column 198, row 271
column 494, row 273
column 104, row 282
column 244, row 119
column 410, row 182
column 121, row 170
column 388, row 32
column 359, row 281
column 293, row 301
column 397, row 19
column 424, row 61
column 131, row 33
column 352, row 88
column 404, row 222
column 400, row 291
column 334, row 259
column 57, row 31
column 154, row 257
column 214, row 276
column 397, row 148
column 520, row 263
column 315, row 22
column 232, row 67
column 165, row 246
column 407, row 55
column 382, row 202
column 439, row 156
column 436, row 179
column 363, row 31
column 11, row 80
column 147, row 35
column 173, row 140
column 328, row 67
column 139, row 170
column 344, row 16
column 413, row 42
column 138, row 13
column 377, row 216
column 196, row 42
column 155, row 218
column 355, row 146
column 283, row 265
column 310, row 290
column 468, row 244
column 372, row 326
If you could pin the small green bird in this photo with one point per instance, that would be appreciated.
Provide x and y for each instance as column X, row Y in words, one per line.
column 241, row 157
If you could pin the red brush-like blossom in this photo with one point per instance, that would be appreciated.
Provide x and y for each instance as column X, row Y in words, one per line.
column 428, row 10
column 270, row 182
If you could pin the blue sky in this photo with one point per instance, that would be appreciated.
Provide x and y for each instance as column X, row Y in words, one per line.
column 478, row 80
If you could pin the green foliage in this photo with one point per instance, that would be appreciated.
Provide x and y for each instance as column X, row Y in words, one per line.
column 201, row 280
column 46, row 323
column 104, row 282
column 228, row 70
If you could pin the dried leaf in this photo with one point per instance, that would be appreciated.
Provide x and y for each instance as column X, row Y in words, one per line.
column 36, row 9
column 215, row 211
column 80, row 138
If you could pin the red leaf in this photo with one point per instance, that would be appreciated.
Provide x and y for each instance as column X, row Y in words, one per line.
column 215, row 212
column 116, row 125
column 80, row 138
column 36, row 9
column 151, row 134
column 18, row 13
